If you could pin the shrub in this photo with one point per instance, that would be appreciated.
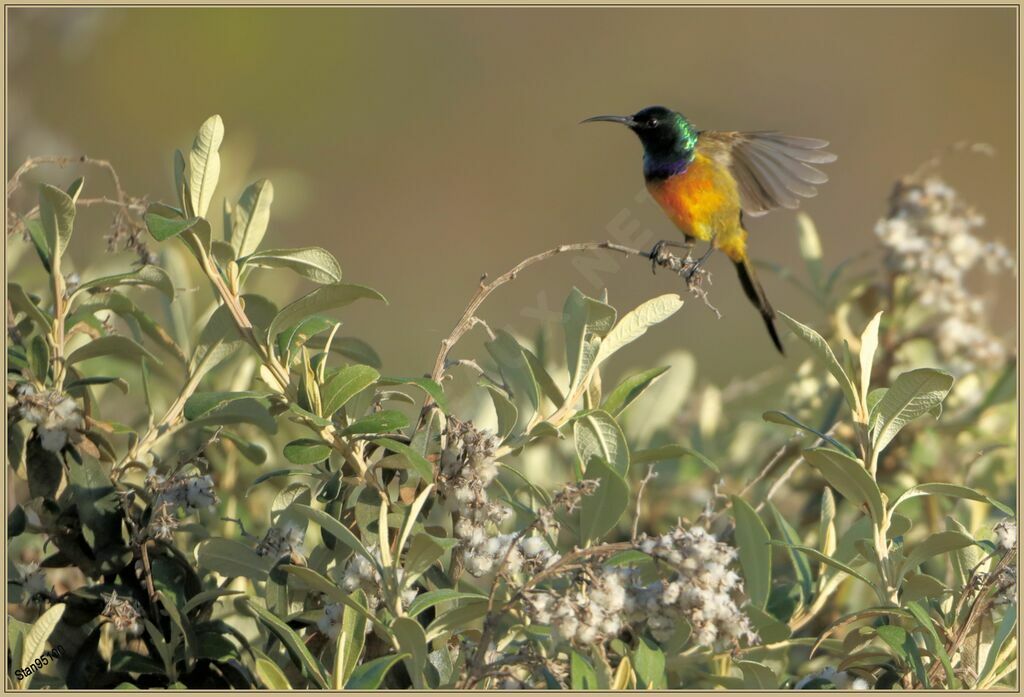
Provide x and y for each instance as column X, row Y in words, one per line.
column 276, row 512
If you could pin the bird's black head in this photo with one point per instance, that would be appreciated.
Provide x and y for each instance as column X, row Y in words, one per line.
column 668, row 138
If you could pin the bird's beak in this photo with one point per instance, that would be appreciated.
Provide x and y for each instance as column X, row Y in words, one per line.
column 624, row 120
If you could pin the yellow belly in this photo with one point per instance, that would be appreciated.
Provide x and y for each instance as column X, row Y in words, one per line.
column 703, row 203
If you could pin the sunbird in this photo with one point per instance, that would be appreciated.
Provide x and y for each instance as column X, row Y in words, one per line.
column 706, row 180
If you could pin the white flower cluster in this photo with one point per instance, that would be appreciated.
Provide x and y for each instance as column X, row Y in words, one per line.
column 281, row 540
column 330, row 622
column 191, row 492
column 839, row 678
column 467, row 468
column 360, row 574
column 701, row 591
column 57, row 416
column 124, row 613
column 929, row 239
column 33, row 583
column 589, row 613
column 1006, row 534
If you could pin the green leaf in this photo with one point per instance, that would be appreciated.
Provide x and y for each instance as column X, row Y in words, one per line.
column 822, row 351
column 21, row 302
column 1003, row 632
column 649, row 664
column 770, row 628
column 371, row 674
column 515, row 369
column 38, row 237
column 329, row 297
column 183, row 625
column 133, row 315
column 937, row 543
column 163, row 229
column 39, row 358
column 424, row 551
column 583, row 676
column 600, row 512
column 849, row 478
column 240, row 411
column 919, row 586
column 635, row 324
column 350, row 600
column 250, row 219
column 895, row 637
column 57, row 215
column 413, row 641
column 306, row 451
column 953, row 491
column 232, row 558
column 913, row 394
column 181, row 187
column 431, row 388
column 828, row 561
column 581, row 318
column 757, row 676
column 936, row 644
column 344, row 535
column 111, row 345
column 544, row 380
column 868, row 346
column 36, row 638
column 202, row 403
column 660, row 405
column 670, row 452
column 444, row 595
column 505, row 411
column 204, row 164
column 353, row 626
column 314, row 263
column 149, row 275
column 205, row 597
column 418, row 463
column 629, row 389
column 270, row 675
column 380, row 422
column 753, row 541
column 292, row 642
column 778, row 417
column 598, row 435
column 456, row 620
column 798, row 559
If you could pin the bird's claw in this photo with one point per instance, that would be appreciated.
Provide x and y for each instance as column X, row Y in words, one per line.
column 660, row 257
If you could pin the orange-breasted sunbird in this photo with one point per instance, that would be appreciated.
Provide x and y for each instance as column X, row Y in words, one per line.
column 705, row 181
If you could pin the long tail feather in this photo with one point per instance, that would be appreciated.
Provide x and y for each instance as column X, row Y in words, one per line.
column 755, row 292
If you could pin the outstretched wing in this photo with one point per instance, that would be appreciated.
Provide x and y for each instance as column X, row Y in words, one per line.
column 771, row 169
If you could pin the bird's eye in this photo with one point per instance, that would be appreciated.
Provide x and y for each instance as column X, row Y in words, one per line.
column 653, row 123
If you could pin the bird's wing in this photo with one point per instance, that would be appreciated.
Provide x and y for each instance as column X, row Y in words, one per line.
column 771, row 169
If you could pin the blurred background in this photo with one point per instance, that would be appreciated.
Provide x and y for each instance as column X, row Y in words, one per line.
column 424, row 147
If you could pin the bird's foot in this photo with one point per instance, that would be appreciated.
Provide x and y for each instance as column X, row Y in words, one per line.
column 696, row 266
column 659, row 255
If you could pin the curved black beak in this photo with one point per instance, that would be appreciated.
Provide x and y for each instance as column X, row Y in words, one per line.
column 624, row 120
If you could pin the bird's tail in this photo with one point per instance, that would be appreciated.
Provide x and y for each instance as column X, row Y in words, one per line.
column 755, row 292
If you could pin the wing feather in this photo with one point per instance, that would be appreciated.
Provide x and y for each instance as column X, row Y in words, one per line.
column 771, row 169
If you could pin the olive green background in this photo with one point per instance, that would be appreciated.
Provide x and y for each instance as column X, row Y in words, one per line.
column 426, row 146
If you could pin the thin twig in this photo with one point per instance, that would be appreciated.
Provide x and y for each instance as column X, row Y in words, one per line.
column 640, row 497
column 468, row 318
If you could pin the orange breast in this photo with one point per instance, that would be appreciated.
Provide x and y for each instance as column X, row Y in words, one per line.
column 702, row 201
